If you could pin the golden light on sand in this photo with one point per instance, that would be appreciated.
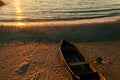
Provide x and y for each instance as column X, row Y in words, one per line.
column 20, row 24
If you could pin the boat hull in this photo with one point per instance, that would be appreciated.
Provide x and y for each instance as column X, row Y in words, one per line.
column 79, row 66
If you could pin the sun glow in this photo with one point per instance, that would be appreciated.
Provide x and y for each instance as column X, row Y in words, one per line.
column 19, row 15
column 17, row 5
column 20, row 24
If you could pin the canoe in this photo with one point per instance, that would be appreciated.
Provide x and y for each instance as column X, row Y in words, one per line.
column 78, row 64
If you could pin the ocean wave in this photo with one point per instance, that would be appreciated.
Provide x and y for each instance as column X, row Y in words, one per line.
column 45, row 10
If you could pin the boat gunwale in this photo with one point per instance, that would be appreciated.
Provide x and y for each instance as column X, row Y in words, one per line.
column 72, row 73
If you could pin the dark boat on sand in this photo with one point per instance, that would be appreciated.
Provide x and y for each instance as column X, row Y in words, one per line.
column 79, row 66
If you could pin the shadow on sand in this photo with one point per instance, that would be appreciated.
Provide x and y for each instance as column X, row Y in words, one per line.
column 79, row 33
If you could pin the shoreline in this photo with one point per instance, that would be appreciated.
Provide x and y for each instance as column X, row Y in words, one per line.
column 88, row 32
column 63, row 23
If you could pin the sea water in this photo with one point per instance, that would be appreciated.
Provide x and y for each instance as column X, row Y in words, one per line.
column 58, row 10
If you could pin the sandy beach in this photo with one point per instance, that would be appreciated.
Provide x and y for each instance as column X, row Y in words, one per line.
column 32, row 52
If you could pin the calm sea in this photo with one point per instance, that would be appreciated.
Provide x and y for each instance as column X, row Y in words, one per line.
column 50, row 10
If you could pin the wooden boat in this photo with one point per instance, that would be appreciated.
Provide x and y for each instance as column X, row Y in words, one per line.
column 79, row 66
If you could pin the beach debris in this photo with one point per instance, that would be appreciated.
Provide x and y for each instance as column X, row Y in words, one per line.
column 99, row 60
column 23, row 68
column 2, row 3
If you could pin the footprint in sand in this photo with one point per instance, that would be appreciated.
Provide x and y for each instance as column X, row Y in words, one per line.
column 41, row 75
column 23, row 68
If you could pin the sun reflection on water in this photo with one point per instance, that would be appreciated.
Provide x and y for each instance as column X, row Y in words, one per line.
column 18, row 16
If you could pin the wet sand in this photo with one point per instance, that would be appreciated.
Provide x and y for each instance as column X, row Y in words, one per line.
column 32, row 52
